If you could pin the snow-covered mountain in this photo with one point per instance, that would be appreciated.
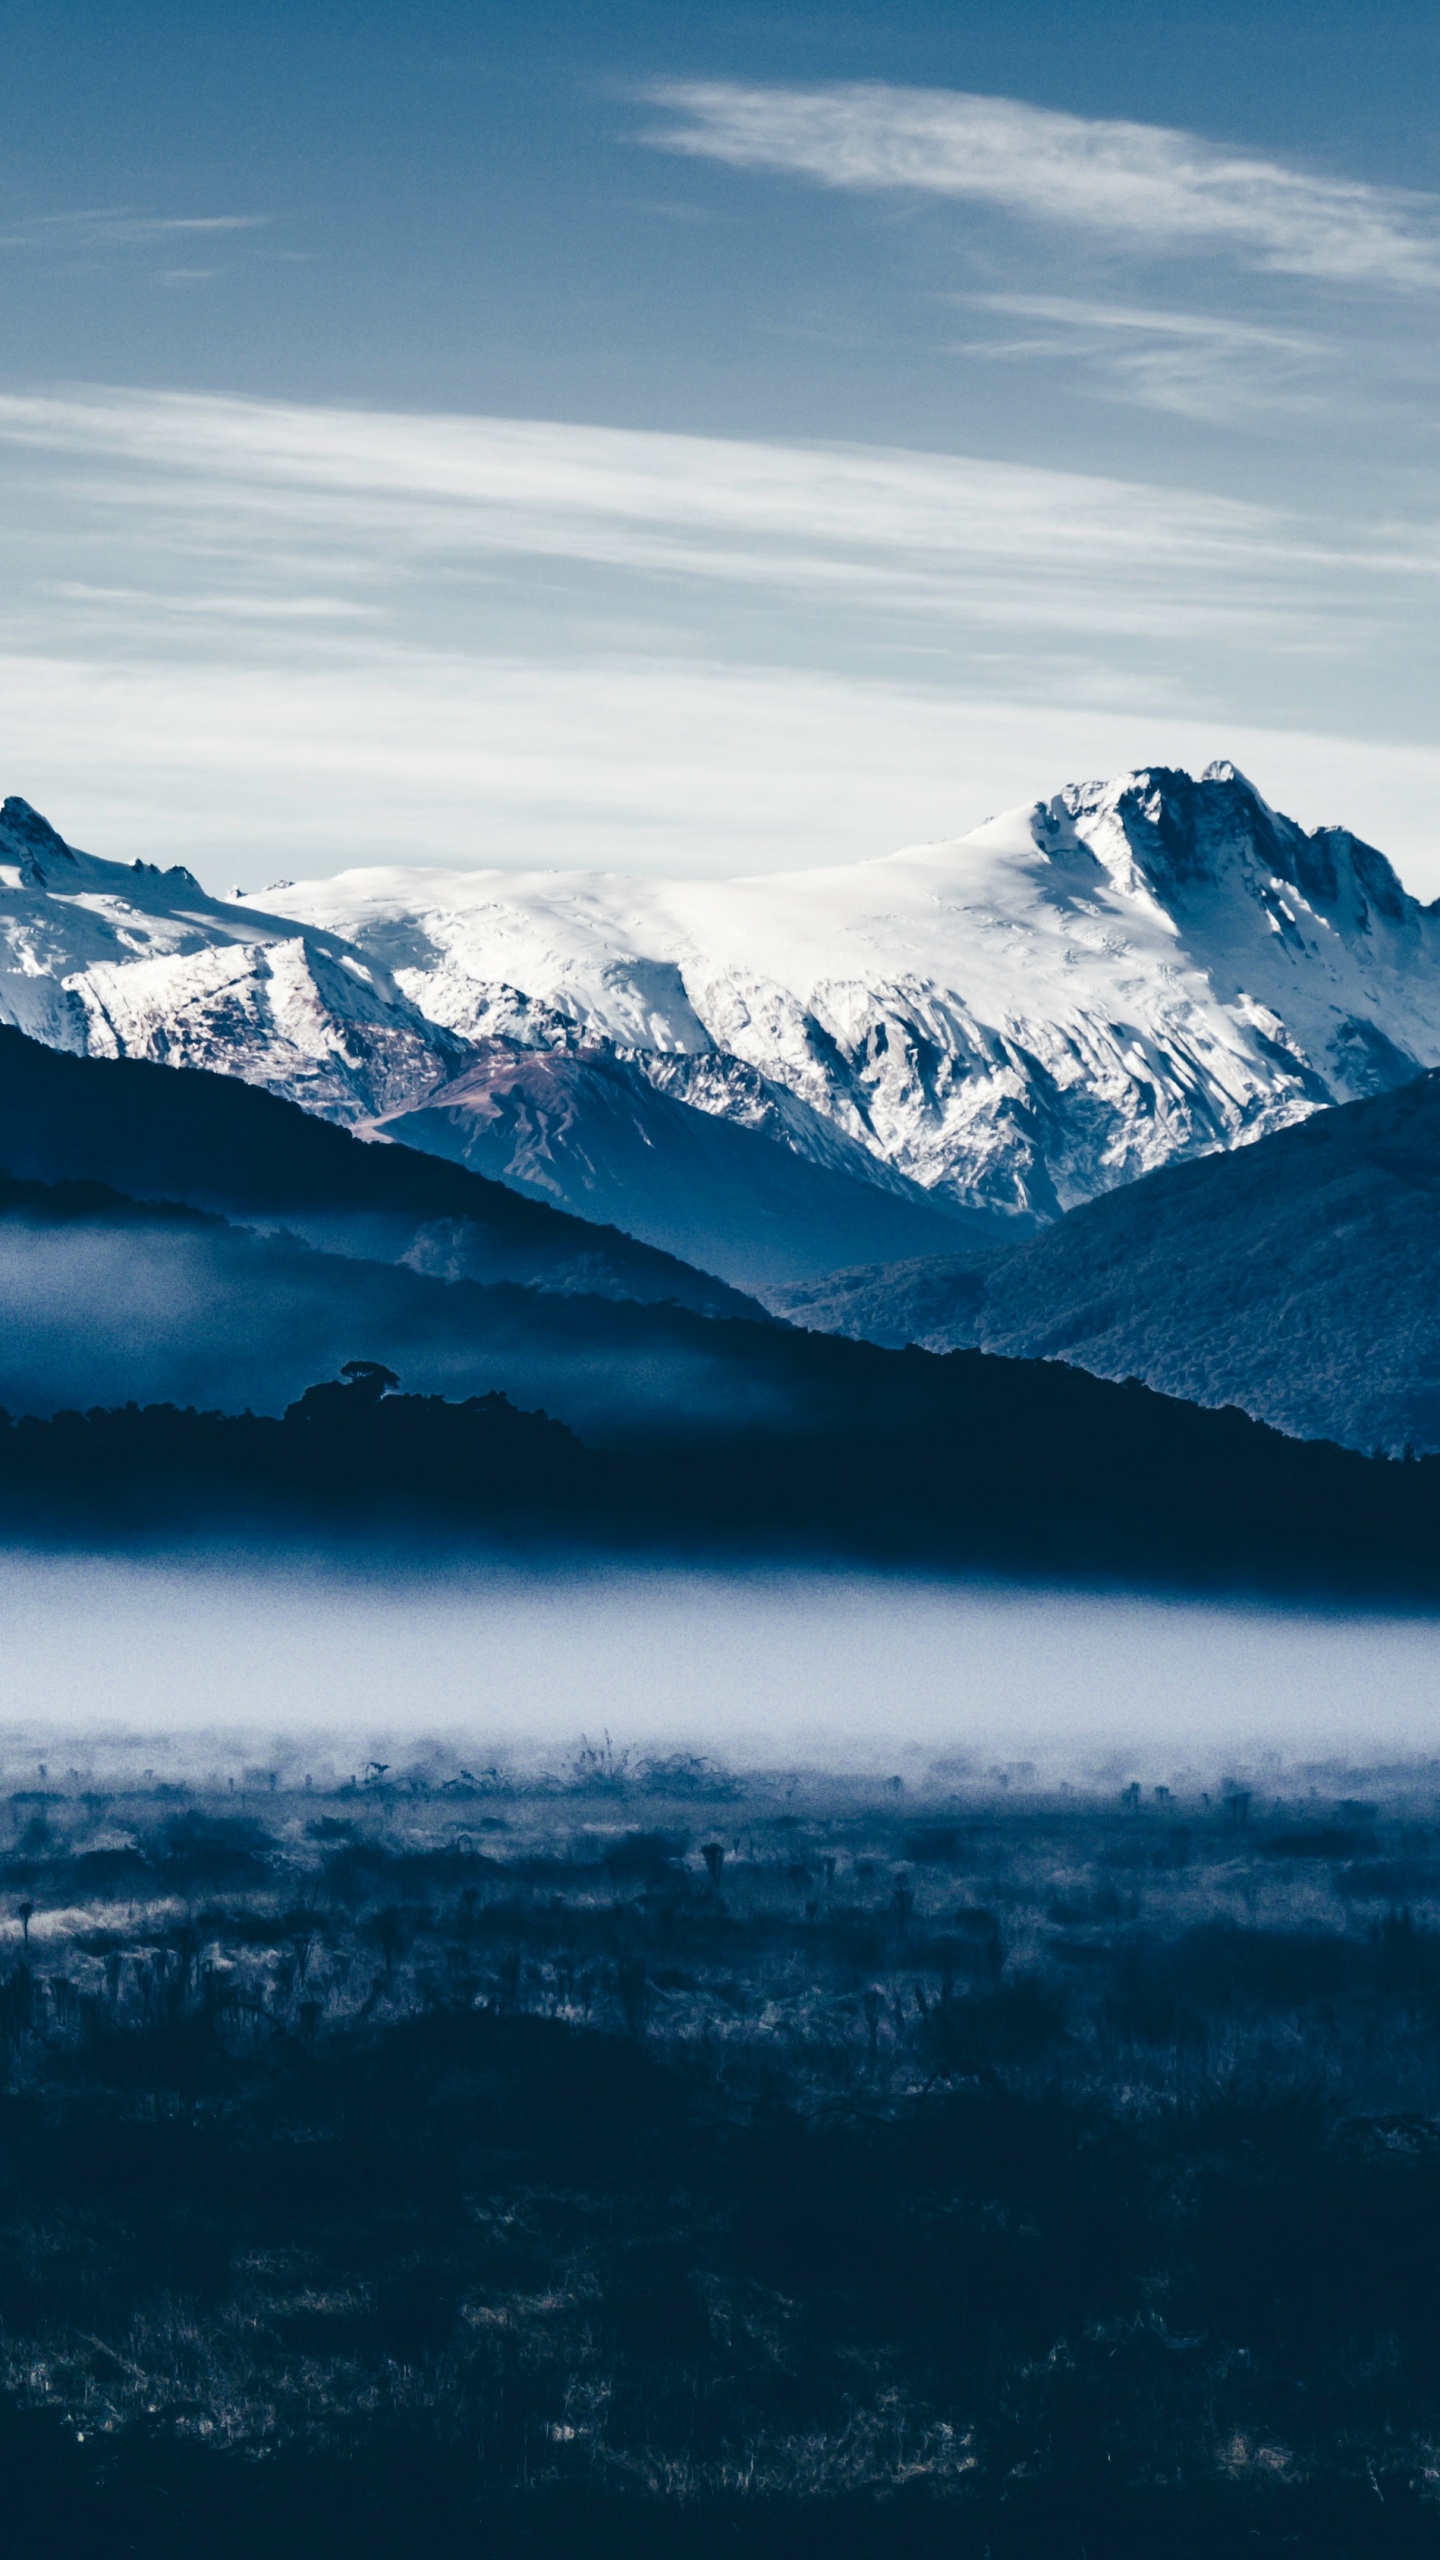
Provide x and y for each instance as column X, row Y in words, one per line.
column 130, row 961
column 1014, row 1022
column 139, row 963
column 1017, row 1020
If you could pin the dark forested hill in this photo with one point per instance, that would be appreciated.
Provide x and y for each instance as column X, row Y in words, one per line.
column 216, row 1143
column 108, row 1300
column 698, row 1425
column 1296, row 1278
column 896, row 1456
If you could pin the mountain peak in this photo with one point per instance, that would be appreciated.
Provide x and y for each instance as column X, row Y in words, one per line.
column 29, row 832
column 1210, row 850
column 145, row 963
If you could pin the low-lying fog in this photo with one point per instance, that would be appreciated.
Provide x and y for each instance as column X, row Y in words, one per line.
column 188, row 1663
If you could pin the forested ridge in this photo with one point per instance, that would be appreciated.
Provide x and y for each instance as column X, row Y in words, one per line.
column 898, row 1456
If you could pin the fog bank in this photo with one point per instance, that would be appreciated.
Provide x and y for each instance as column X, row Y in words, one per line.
column 193, row 1662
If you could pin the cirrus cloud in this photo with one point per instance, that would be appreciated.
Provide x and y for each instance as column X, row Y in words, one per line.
column 117, row 227
column 869, row 527
column 283, row 637
column 1151, row 184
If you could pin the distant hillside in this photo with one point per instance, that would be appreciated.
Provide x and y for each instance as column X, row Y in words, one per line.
column 587, row 1128
column 105, row 1300
column 120, row 1314
column 1296, row 1278
column 213, row 1142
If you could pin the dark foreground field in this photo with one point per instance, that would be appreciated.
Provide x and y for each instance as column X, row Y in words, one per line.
column 646, row 2161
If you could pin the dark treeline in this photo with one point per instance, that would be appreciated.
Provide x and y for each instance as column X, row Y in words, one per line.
column 650, row 2162
column 897, row 1456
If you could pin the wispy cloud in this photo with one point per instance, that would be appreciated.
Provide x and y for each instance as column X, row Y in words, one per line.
column 874, row 529
column 1187, row 362
column 321, row 630
column 218, row 608
column 1074, row 312
column 1151, row 185
column 120, row 227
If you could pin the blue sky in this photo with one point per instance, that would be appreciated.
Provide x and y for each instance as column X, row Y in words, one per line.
column 710, row 438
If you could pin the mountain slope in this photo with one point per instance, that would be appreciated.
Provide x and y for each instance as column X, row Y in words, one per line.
column 588, row 1128
column 139, row 963
column 1295, row 1278
column 1072, row 995
column 106, row 1300
column 216, row 1143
